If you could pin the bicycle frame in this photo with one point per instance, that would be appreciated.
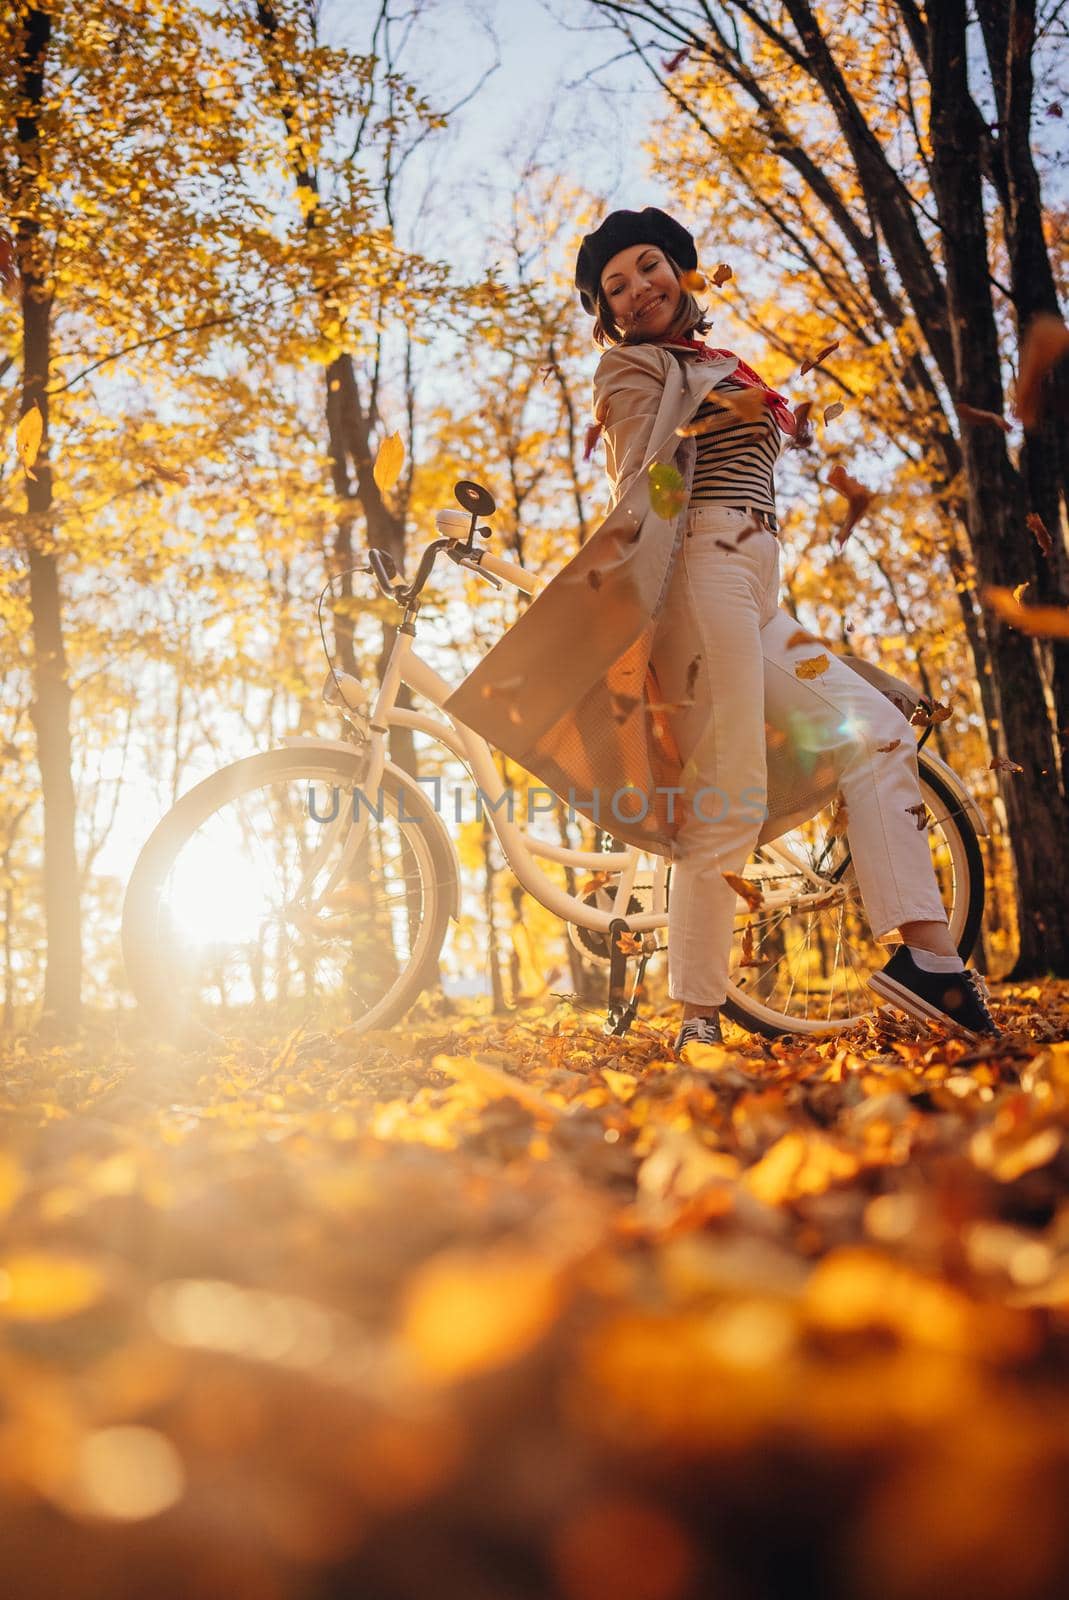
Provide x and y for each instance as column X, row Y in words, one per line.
column 520, row 848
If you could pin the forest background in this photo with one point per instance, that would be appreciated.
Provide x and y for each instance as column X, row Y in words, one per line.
column 246, row 242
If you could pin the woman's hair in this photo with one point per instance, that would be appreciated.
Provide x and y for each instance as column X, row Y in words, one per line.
column 689, row 317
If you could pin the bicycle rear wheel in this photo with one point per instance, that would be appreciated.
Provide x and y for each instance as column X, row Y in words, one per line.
column 798, row 969
column 276, row 893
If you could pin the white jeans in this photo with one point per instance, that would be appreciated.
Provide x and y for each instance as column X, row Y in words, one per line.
column 838, row 716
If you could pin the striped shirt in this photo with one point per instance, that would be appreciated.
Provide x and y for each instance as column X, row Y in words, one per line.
column 735, row 458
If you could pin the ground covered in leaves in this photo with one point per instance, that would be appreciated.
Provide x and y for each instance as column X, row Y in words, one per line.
column 499, row 1309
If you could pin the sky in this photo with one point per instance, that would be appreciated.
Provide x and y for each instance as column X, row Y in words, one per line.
column 547, row 93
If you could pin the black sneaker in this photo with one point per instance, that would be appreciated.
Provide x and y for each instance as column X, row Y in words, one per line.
column 957, row 997
column 698, row 1030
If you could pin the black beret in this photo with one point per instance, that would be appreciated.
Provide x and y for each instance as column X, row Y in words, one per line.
column 622, row 229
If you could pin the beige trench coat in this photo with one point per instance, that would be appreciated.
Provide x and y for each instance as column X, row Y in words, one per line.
column 572, row 691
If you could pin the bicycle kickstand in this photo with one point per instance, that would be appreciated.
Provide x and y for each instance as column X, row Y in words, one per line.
column 621, row 1010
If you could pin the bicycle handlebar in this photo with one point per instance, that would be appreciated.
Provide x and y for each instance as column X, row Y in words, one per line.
column 518, row 576
column 494, row 569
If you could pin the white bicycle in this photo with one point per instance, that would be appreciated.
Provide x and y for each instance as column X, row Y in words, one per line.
column 315, row 883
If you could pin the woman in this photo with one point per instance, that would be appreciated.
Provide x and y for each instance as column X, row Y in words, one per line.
column 629, row 275
column 638, row 683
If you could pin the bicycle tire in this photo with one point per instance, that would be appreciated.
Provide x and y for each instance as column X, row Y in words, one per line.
column 757, row 1018
column 145, row 955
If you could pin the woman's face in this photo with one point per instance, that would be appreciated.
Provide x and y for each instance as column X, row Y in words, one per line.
column 641, row 290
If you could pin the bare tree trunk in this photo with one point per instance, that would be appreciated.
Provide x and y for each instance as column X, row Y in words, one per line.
column 50, row 711
column 1037, row 811
column 1009, row 33
column 7, row 882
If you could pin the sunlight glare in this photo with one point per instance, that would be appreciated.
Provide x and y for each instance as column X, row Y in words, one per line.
column 218, row 893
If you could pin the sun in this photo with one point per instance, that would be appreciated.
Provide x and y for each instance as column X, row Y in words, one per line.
column 220, row 892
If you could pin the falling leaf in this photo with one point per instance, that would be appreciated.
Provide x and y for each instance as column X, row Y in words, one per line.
column 629, row 944
column 858, row 500
column 1043, row 622
column 388, row 462
column 694, row 430
column 722, row 544
column 930, row 716
column 722, row 274
column 803, row 425
column 885, row 749
column 981, row 419
column 812, row 667
column 1019, row 590
column 752, row 527
column 692, row 282
column 692, row 674
column 39, row 1287
column 596, row 880
column 746, row 955
column 800, row 637
column 671, row 63
column 836, row 409
column 840, row 818
column 490, row 691
column 921, row 814
column 667, row 494
column 593, row 577
column 1045, row 343
column 593, row 434
column 623, row 705
column 28, row 438
column 1034, row 522
column 814, row 361
column 7, row 259
column 1004, row 764
column 744, row 889
column 748, row 404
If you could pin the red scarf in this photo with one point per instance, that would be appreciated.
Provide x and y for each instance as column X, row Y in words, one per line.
column 777, row 403
column 745, row 375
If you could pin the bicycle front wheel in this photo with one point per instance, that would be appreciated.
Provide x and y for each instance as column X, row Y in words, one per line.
column 277, row 893
column 802, row 967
